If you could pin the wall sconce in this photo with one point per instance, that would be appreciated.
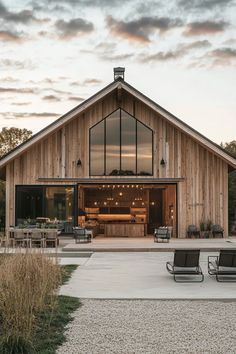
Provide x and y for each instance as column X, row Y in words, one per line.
column 162, row 163
column 79, row 163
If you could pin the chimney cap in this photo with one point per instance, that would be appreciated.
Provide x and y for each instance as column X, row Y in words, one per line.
column 119, row 72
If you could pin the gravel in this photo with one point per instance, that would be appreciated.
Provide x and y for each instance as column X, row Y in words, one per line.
column 152, row 327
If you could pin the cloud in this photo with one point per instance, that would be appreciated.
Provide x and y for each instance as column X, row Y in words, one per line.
column 223, row 56
column 162, row 56
column 51, row 98
column 75, row 98
column 88, row 3
column 9, row 79
column 73, row 28
column 23, row 16
column 204, row 4
column 17, row 64
column 195, row 45
column 140, row 30
column 116, row 57
column 31, row 115
column 20, row 103
column 17, row 90
column 92, row 82
column 87, row 82
column 199, row 28
column 9, row 36
column 179, row 52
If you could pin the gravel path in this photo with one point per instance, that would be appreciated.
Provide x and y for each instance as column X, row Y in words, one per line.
column 152, row 327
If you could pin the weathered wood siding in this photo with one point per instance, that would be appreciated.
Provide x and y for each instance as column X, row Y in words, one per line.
column 203, row 195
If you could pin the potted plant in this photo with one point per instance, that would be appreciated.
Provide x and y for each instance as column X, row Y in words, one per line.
column 208, row 228
column 202, row 229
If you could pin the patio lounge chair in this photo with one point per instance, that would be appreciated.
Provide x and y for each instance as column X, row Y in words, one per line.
column 186, row 263
column 81, row 235
column 217, row 230
column 223, row 266
column 162, row 233
column 193, row 231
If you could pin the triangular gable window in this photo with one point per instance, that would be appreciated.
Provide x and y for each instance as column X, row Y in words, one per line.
column 121, row 145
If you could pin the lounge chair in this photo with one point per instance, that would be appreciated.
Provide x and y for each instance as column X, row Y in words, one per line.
column 217, row 230
column 223, row 266
column 162, row 233
column 81, row 235
column 186, row 263
column 193, row 231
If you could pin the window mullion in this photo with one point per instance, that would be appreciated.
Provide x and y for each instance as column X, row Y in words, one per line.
column 120, row 141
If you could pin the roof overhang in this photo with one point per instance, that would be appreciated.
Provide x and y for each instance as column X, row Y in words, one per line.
column 119, row 83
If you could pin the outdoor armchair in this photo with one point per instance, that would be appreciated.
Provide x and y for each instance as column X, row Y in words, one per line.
column 217, row 230
column 37, row 238
column 223, row 266
column 81, row 235
column 21, row 238
column 193, row 231
column 162, row 233
column 51, row 238
column 186, row 263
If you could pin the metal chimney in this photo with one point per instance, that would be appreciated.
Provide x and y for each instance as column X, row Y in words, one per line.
column 119, row 73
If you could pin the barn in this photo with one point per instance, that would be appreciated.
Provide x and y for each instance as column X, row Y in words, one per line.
column 118, row 164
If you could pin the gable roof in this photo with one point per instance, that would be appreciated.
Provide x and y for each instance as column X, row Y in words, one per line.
column 119, row 83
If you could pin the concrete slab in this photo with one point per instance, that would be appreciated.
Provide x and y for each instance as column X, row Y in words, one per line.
column 73, row 260
column 146, row 244
column 140, row 276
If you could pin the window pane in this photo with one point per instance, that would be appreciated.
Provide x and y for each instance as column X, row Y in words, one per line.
column 113, row 143
column 60, row 203
column 29, row 204
column 97, row 150
column 144, row 150
column 128, row 141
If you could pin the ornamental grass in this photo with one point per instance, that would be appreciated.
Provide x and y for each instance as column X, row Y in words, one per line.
column 28, row 285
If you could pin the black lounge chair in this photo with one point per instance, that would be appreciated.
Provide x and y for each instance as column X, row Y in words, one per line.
column 186, row 262
column 223, row 266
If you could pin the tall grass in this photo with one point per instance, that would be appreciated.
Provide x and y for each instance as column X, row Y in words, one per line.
column 28, row 283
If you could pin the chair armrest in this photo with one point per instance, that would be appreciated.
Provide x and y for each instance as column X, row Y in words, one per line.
column 212, row 264
column 169, row 267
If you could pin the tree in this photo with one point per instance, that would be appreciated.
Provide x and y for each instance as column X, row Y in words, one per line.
column 12, row 137
column 9, row 139
column 231, row 148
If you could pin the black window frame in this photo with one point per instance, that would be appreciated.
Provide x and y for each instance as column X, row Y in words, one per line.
column 136, row 147
column 44, row 187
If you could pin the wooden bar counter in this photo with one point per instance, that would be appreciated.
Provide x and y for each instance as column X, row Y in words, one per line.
column 125, row 229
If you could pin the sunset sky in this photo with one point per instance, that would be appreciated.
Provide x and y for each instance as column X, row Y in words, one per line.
column 180, row 53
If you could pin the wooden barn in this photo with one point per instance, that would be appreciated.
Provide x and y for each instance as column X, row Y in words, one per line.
column 120, row 164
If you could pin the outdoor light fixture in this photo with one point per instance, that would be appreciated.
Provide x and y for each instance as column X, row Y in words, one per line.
column 162, row 162
column 79, row 163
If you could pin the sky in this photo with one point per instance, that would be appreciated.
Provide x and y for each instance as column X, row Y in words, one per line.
column 180, row 53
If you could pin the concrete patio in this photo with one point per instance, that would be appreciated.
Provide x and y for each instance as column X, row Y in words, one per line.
column 146, row 244
column 140, row 275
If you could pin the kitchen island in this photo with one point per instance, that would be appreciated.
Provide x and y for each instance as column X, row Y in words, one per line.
column 122, row 229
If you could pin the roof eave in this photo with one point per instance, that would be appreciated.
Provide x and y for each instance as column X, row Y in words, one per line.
column 58, row 123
